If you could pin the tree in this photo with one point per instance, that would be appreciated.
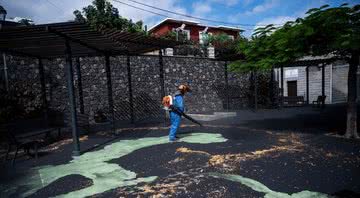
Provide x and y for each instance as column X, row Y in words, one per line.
column 26, row 22
column 101, row 14
column 256, row 52
column 322, row 31
column 337, row 30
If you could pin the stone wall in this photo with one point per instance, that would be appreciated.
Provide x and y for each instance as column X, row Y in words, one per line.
column 205, row 76
column 24, row 82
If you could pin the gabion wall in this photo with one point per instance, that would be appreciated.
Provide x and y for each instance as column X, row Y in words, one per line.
column 205, row 76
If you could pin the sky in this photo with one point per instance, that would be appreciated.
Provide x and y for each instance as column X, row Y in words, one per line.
column 244, row 14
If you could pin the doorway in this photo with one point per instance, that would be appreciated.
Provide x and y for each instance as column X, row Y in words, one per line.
column 292, row 88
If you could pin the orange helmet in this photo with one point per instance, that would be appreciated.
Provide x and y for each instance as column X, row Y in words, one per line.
column 184, row 88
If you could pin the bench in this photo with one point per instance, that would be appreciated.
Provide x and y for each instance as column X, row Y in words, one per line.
column 23, row 134
column 319, row 101
column 19, row 143
column 293, row 101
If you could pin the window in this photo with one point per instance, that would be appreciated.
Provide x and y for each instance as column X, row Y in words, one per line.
column 204, row 36
column 187, row 33
column 231, row 37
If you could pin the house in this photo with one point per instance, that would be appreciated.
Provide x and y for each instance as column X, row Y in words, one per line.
column 194, row 31
column 335, row 81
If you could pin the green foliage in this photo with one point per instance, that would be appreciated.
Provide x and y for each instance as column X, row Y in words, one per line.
column 257, row 51
column 171, row 35
column 219, row 39
column 224, row 45
column 322, row 31
column 101, row 14
column 26, row 22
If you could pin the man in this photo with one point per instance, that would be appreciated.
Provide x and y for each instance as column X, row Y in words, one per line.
column 175, row 118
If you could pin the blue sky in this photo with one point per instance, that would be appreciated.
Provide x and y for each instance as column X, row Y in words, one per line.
column 252, row 12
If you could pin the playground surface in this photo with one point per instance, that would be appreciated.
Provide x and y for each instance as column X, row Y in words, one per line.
column 269, row 153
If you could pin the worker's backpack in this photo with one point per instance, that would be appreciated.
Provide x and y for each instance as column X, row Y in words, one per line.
column 167, row 101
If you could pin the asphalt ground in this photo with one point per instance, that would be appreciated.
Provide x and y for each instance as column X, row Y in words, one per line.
column 288, row 151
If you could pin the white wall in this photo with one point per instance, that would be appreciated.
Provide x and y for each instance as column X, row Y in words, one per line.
column 339, row 79
column 315, row 80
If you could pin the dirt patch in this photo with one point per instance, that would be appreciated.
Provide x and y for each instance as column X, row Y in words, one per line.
column 187, row 150
column 172, row 185
column 56, row 145
column 287, row 144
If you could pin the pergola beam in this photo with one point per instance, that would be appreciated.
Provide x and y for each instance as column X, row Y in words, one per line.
column 14, row 52
column 37, row 39
column 134, row 39
column 49, row 29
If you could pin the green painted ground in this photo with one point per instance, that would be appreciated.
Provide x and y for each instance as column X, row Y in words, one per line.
column 259, row 187
column 106, row 176
column 95, row 166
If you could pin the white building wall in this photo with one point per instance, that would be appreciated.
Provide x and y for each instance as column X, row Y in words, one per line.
column 339, row 79
column 336, row 88
column 315, row 80
column 315, row 83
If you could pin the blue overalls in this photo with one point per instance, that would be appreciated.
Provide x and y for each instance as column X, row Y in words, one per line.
column 175, row 118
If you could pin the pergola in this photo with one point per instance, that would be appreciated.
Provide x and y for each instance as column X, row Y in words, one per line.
column 71, row 39
column 308, row 62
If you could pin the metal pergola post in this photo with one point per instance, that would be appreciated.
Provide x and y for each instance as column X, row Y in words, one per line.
column 282, row 80
column 307, row 86
column 282, row 85
column 80, row 88
column 70, row 80
column 227, row 85
column 43, row 88
column 5, row 73
column 109, row 89
column 271, row 91
column 162, row 80
column 131, row 100
column 323, row 83
column 255, row 91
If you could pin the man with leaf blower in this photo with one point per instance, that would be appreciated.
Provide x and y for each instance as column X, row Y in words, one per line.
column 176, row 107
